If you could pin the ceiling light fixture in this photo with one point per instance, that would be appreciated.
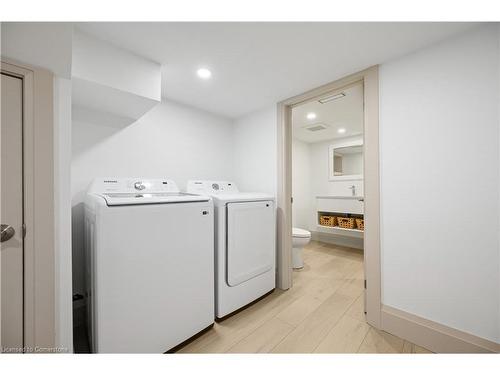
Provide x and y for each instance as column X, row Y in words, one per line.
column 204, row 73
column 341, row 130
column 332, row 97
column 311, row 116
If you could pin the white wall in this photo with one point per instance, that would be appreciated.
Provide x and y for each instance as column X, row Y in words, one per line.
column 171, row 140
column 320, row 182
column 439, row 120
column 42, row 44
column 112, row 80
column 255, row 156
column 301, row 184
column 62, row 197
column 101, row 62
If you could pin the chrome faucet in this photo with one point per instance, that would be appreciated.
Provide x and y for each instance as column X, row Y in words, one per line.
column 353, row 190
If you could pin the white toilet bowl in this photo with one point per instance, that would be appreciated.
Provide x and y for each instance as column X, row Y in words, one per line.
column 301, row 238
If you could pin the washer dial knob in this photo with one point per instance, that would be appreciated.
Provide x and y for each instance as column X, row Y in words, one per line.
column 139, row 185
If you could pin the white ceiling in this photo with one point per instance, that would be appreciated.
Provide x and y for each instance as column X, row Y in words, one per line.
column 257, row 64
column 346, row 112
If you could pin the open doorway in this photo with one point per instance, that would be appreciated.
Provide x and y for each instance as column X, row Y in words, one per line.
column 345, row 193
column 327, row 186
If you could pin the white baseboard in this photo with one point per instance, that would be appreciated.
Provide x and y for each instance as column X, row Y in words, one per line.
column 356, row 243
column 433, row 336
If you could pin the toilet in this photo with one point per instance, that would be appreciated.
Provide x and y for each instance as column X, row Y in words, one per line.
column 300, row 238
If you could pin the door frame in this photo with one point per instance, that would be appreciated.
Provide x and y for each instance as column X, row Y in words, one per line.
column 38, row 204
column 369, row 78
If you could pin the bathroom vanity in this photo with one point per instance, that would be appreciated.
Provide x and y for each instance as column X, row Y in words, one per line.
column 345, row 206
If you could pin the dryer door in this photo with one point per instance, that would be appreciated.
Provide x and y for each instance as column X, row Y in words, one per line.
column 251, row 240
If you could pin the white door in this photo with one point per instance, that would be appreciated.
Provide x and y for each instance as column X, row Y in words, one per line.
column 11, row 213
column 250, row 240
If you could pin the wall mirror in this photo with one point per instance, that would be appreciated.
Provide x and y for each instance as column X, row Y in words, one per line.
column 346, row 161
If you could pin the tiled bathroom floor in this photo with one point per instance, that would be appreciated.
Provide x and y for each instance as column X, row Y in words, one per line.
column 322, row 313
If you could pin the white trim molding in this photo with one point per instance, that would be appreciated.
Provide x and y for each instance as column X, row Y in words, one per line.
column 433, row 336
column 369, row 79
column 38, row 204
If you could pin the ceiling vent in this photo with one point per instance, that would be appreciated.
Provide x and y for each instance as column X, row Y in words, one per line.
column 316, row 127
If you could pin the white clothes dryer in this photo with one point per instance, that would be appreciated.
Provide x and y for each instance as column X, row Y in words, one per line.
column 245, row 244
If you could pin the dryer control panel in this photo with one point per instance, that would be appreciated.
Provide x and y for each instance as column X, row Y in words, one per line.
column 211, row 187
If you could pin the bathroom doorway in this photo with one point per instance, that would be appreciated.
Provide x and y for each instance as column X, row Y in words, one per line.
column 327, row 178
column 328, row 187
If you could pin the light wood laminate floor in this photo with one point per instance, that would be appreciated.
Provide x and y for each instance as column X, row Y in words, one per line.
column 322, row 313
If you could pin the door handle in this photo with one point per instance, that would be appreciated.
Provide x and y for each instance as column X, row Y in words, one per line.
column 7, row 232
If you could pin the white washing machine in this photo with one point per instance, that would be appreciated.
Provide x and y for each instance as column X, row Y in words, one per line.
column 150, row 265
column 245, row 244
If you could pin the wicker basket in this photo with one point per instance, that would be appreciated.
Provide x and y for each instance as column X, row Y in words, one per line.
column 327, row 220
column 360, row 224
column 346, row 222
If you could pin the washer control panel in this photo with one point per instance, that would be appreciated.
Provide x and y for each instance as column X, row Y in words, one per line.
column 133, row 185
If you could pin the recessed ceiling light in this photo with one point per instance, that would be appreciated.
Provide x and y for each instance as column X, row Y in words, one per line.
column 204, row 73
column 341, row 130
column 330, row 98
column 311, row 116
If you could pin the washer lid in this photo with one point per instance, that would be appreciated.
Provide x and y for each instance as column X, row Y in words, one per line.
column 125, row 199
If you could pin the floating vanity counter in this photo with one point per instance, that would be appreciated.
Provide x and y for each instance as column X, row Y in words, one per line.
column 343, row 206
column 347, row 205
